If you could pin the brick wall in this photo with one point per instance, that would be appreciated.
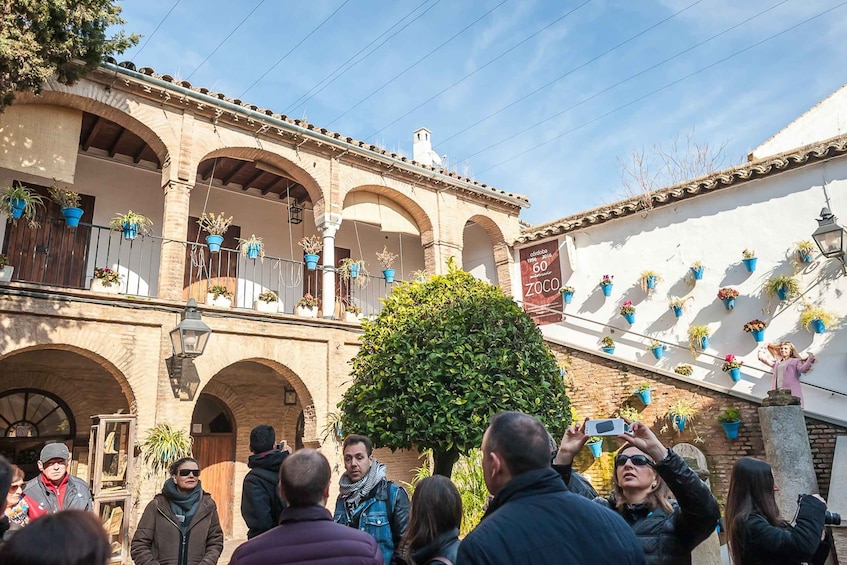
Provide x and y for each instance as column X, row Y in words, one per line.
column 599, row 387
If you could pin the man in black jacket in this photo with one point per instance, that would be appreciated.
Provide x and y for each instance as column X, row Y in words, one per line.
column 532, row 517
column 261, row 503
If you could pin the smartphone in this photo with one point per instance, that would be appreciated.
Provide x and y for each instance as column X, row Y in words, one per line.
column 609, row 427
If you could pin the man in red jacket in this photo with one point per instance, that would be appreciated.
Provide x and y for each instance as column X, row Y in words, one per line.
column 306, row 533
column 55, row 489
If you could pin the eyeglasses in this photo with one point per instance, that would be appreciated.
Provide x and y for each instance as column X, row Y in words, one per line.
column 16, row 487
column 638, row 460
column 186, row 472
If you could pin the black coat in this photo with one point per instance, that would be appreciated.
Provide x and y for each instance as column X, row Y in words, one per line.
column 261, row 503
column 787, row 545
column 535, row 520
column 445, row 546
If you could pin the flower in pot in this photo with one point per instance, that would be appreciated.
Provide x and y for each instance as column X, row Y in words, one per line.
column 606, row 284
column 607, row 344
column 805, row 250
column 131, row 224
column 219, row 295
column 783, row 287
column 351, row 312
column 307, row 306
column 268, row 301
column 595, row 445
column 657, row 347
column 644, row 393
column 18, row 201
column 684, row 370
column 567, row 293
column 6, row 269
column 106, row 280
column 698, row 338
column 353, row 270
column 681, row 412
column 728, row 295
column 215, row 226
column 730, row 419
column 817, row 319
column 748, row 257
column 627, row 310
column 732, row 365
column 756, row 328
column 252, row 247
column 68, row 201
column 629, row 413
column 677, row 305
column 649, row 280
column 312, row 247
column 697, row 269
column 386, row 259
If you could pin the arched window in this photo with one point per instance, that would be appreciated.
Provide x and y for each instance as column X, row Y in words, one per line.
column 29, row 413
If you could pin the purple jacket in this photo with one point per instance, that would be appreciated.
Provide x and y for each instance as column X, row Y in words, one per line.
column 793, row 368
column 308, row 535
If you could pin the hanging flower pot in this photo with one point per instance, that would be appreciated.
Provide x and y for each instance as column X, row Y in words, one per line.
column 629, row 318
column 628, row 311
column 72, row 216
column 758, row 335
column 354, row 270
column 596, row 448
column 735, row 374
column 645, row 394
column 731, row 429
column 756, row 328
column 818, row 326
column 732, row 367
column 567, row 293
column 253, row 251
column 607, row 289
column 607, row 345
column 651, row 282
column 782, row 293
column 697, row 271
column 130, row 224
column 389, row 275
column 679, row 421
column 729, row 303
column 677, row 311
column 130, row 231
column 750, row 264
column 704, row 342
column 609, row 350
column 606, row 284
column 730, row 419
column 311, row 260
column 68, row 201
column 728, row 295
column 805, row 249
column 214, row 242
column 658, row 352
column 17, row 205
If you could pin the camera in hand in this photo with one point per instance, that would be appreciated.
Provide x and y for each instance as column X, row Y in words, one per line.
column 832, row 518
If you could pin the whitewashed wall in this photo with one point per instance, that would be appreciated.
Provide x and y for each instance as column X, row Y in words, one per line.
column 478, row 254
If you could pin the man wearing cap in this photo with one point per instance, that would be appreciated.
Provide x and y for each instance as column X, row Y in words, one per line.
column 55, row 489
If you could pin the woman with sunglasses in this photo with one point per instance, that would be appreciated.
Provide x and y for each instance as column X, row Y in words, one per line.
column 646, row 476
column 16, row 505
column 180, row 526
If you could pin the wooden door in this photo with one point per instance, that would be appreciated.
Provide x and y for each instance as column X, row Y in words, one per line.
column 53, row 253
column 204, row 269
column 216, row 455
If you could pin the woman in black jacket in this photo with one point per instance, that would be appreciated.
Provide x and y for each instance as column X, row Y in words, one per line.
column 432, row 537
column 647, row 475
column 756, row 532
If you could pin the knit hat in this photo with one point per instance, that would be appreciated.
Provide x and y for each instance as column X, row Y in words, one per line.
column 54, row 451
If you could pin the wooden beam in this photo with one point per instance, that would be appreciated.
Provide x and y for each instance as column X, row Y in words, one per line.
column 136, row 157
column 276, row 183
column 237, row 169
column 208, row 166
column 252, row 179
column 114, row 148
column 95, row 129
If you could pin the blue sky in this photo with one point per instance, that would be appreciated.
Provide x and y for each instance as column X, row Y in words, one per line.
column 593, row 108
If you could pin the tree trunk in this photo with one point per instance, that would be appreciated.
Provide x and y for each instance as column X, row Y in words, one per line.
column 443, row 462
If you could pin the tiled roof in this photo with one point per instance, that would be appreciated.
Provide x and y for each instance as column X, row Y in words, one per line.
column 796, row 158
column 148, row 71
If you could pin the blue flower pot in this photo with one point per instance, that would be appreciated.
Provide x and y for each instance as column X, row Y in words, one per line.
column 629, row 318
column 252, row 250
column 354, row 270
column 782, row 293
column 704, row 342
column 651, row 282
column 130, row 230
column 596, row 448
column 18, row 206
column 805, row 257
column 608, row 350
column 645, row 396
column 679, row 422
column 214, row 242
column 677, row 311
column 750, row 264
column 389, row 275
column 758, row 335
column 607, row 289
column 698, row 273
column 729, row 303
column 658, row 352
column 818, row 326
column 568, row 296
column 311, row 260
column 72, row 216
column 735, row 374
column 731, row 429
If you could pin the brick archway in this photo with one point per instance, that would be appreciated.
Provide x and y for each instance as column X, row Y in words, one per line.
column 500, row 249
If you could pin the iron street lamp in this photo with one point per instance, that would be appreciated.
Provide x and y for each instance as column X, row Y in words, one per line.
column 189, row 338
column 830, row 237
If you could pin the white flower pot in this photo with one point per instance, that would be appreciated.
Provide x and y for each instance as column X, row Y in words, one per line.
column 97, row 285
column 220, row 302
column 306, row 312
column 351, row 317
column 6, row 273
column 268, row 307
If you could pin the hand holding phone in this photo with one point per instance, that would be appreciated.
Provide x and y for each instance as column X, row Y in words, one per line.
column 607, row 427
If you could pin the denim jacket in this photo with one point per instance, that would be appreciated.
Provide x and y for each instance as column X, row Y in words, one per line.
column 384, row 515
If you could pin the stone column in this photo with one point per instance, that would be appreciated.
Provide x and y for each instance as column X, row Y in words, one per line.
column 174, row 233
column 328, row 224
column 787, row 448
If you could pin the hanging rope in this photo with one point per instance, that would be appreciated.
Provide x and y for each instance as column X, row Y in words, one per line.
column 295, row 274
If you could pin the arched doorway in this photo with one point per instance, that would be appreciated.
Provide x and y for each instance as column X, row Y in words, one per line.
column 213, row 430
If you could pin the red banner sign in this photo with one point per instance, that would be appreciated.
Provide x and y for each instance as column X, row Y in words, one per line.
column 541, row 278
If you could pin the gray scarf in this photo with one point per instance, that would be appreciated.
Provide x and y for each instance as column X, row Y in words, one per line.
column 354, row 493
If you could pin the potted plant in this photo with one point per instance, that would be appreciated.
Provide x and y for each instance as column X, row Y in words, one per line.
column 606, row 284
column 18, row 201
column 68, row 201
column 814, row 319
column 386, row 259
column 628, row 413
column 131, row 224
column 728, row 295
column 677, row 305
column 730, row 419
column 216, row 227
column 657, row 347
column 684, row 370
column 805, row 250
column 567, row 293
column 219, row 295
column 6, row 269
column 681, row 412
column 698, row 337
column 252, row 247
column 106, row 280
column 756, row 328
column 644, row 392
column 595, row 445
column 312, row 247
column 697, row 269
column 163, row 445
column 783, row 286
column 649, row 280
column 732, row 366
column 307, row 306
column 353, row 270
column 748, row 257
column 607, row 344
column 351, row 312
column 268, row 301
column 628, row 311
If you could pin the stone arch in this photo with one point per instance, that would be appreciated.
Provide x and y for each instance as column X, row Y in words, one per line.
column 500, row 248
column 421, row 217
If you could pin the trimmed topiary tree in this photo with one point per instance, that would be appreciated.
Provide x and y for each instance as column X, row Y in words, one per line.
column 444, row 355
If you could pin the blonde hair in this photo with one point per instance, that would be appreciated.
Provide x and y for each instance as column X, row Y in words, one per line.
column 658, row 497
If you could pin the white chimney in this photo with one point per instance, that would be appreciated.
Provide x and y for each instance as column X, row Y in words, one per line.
column 422, row 148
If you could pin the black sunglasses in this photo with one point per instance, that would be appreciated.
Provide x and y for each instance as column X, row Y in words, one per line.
column 186, row 472
column 637, row 460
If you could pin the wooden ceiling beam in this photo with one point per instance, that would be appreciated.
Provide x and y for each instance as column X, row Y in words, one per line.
column 252, row 179
column 205, row 169
column 95, row 129
column 136, row 156
column 237, row 169
column 113, row 150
